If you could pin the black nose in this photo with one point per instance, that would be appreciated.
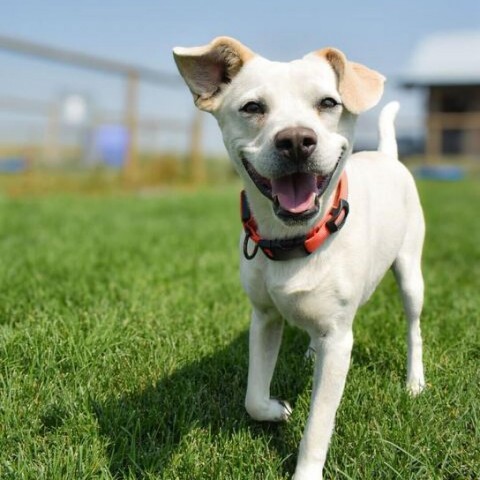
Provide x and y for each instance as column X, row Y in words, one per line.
column 296, row 143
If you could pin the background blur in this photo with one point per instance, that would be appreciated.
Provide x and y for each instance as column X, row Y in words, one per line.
column 90, row 97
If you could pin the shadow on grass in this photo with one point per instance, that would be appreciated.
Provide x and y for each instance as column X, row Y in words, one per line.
column 144, row 430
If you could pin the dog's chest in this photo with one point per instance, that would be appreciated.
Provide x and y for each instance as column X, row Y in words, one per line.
column 306, row 297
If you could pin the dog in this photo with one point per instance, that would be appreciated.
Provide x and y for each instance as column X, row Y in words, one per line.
column 321, row 225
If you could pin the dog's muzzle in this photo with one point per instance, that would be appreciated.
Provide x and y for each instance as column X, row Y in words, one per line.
column 295, row 195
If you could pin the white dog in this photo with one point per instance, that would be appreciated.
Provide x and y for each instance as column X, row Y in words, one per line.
column 321, row 226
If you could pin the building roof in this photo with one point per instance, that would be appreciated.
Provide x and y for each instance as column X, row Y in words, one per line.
column 445, row 59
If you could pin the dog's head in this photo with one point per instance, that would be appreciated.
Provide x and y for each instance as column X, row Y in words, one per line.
column 288, row 127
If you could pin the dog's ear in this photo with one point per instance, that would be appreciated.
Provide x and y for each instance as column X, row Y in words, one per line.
column 360, row 87
column 207, row 69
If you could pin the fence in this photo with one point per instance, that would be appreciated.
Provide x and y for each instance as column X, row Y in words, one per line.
column 67, row 126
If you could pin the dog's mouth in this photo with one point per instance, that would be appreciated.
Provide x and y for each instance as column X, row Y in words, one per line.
column 294, row 196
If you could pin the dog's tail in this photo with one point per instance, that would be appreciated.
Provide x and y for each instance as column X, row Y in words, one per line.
column 386, row 128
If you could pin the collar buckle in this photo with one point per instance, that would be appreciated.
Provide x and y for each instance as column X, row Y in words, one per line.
column 246, row 253
column 338, row 220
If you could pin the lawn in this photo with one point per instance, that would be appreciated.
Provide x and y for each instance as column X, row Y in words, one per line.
column 123, row 348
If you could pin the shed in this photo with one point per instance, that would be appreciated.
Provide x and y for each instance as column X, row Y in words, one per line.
column 447, row 66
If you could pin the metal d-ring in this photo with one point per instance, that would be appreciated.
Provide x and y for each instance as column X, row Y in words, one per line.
column 247, row 255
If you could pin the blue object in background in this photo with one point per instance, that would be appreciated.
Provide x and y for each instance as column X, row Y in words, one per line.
column 12, row 164
column 440, row 172
column 111, row 144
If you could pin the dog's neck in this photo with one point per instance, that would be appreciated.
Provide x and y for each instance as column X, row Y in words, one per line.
column 301, row 245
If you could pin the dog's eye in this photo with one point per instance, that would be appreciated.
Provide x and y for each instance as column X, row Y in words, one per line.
column 328, row 102
column 253, row 108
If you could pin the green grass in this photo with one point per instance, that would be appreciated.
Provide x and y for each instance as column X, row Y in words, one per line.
column 123, row 349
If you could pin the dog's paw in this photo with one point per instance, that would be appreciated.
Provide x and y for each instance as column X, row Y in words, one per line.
column 273, row 410
column 415, row 387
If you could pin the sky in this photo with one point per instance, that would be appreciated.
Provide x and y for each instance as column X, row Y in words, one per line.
column 379, row 34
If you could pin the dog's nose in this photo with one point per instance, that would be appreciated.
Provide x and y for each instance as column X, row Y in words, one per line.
column 296, row 143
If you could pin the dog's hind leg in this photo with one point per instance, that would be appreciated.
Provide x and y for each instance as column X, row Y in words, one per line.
column 408, row 273
column 265, row 338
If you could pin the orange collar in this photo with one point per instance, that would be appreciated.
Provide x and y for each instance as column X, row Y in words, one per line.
column 288, row 248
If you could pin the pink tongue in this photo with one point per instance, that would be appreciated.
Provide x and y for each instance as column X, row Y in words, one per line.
column 296, row 192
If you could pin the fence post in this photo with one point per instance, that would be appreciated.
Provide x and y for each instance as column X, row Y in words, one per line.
column 196, row 161
column 434, row 139
column 131, row 122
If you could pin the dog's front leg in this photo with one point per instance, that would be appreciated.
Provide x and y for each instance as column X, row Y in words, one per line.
column 331, row 367
column 265, row 338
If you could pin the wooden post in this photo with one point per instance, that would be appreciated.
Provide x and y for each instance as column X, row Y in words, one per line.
column 130, row 167
column 434, row 139
column 29, row 152
column 433, row 150
column 196, row 161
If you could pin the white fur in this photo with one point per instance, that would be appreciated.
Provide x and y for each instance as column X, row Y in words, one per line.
column 388, row 143
column 322, row 292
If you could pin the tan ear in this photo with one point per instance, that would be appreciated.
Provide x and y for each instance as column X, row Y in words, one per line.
column 207, row 69
column 360, row 87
